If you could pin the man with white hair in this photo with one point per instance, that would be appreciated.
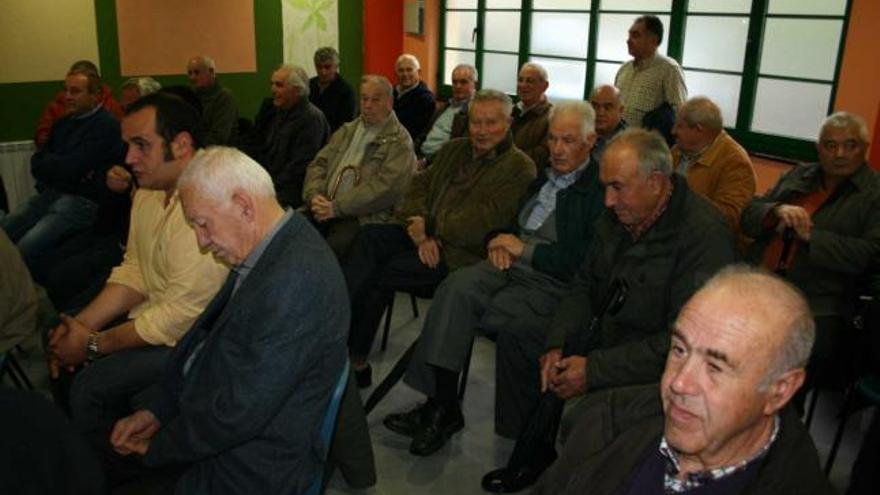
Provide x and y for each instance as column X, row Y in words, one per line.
column 719, row 424
column 293, row 133
column 219, row 110
column 413, row 101
column 527, row 270
column 530, row 122
column 136, row 87
column 819, row 227
column 245, row 392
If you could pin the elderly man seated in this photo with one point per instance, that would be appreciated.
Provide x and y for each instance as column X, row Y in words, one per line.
column 246, row 390
column 530, row 113
column 362, row 172
column 413, row 101
column 658, row 238
column 450, row 118
column 521, row 282
column 295, row 130
column 719, row 424
column 715, row 165
column 473, row 188
column 329, row 91
column 219, row 110
column 608, row 105
column 819, row 227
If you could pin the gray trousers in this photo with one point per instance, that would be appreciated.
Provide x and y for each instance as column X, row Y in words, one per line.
column 514, row 307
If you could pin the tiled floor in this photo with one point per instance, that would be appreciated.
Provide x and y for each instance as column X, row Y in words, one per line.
column 457, row 468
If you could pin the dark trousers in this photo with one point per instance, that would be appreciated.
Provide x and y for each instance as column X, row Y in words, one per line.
column 383, row 259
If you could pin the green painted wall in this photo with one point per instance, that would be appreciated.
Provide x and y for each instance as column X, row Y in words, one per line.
column 24, row 102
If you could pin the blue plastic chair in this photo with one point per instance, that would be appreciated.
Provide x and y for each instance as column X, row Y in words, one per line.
column 328, row 427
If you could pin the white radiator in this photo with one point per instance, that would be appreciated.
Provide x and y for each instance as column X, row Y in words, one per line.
column 15, row 168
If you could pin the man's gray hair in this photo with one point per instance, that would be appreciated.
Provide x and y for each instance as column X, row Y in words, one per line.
column 846, row 120
column 651, row 149
column 206, row 61
column 145, row 85
column 218, row 171
column 542, row 72
column 380, row 81
column 485, row 95
column 474, row 75
column 326, row 54
column 297, row 78
column 408, row 57
column 581, row 109
column 702, row 111
column 755, row 284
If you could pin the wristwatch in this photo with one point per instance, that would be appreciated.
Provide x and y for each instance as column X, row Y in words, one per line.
column 92, row 352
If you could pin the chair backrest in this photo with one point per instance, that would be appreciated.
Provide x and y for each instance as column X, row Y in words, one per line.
column 328, row 427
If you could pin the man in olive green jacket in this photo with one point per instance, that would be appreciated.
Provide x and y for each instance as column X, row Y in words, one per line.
column 473, row 187
column 358, row 177
column 18, row 298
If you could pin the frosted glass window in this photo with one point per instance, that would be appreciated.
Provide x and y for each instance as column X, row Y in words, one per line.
column 638, row 5
column 561, row 4
column 613, row 32
column 807, row 7
column 502, row 31
column 454, row 57
column 567, row 78
column 720, row 6
column 560, row 34
column 717, row 43
column 800, row 48
column 499, row 72
column 461, row 4
column 604, row 74
column 460, row 29
column 790, row 108
column 503, row 4
column 723, row 89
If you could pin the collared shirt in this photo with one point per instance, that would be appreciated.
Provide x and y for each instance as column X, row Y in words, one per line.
column 244, row 268
column 520, row 109
column 637, row 230
column 163, row 262
column 364, row 134
column 672, row 484
column 442, row 128
column 688, row 159
column 648, row 83
column 546, row 203
column 89, row 113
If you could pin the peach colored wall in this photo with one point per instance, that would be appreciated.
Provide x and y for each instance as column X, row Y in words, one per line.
column 383, row 36
column 426, row 46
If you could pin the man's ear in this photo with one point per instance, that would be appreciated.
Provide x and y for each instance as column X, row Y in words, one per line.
column 182, row 145
column 244, row 203
column 782, row 389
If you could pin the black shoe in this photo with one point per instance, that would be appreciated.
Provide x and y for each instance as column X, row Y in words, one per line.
column 406, row 423
column 438, row 424
column 364, row 377
column 510, row 480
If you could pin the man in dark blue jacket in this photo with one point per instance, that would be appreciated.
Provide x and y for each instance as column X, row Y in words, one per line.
column 413, row 101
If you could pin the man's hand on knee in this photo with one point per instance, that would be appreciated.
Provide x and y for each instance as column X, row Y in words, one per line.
column 132, row 434
column 548, row 367
column 571, row 377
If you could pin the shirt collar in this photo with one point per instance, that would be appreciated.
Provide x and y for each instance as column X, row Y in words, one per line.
column 244, row 268
column 637, row 230
column 89, row 113
column 565, row 180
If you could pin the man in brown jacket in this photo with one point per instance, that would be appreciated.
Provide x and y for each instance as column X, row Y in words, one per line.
column 530, row 115
column 715, row 165
column 473, row 187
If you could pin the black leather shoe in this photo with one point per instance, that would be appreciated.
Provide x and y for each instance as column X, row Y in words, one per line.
column 438, row 424
column 364, row 377
column 510, row 480
column 406, row 423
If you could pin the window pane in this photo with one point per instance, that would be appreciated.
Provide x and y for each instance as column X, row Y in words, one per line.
column 567, row 77
column 800, row 48
column 461, row 4
column 460, row 28
column 807, row 7
column 790, row 108
column 613, row 31
column 561, row 4
column 720, row 6
column 454, row 57
column 716, row 42
column 502, row 31
column 499, row 72
column 638, row 5
column 503, row 4
column 546, row 29
column 723, row 89
column 604, row 74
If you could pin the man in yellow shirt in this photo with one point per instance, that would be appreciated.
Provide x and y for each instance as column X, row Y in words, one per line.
column 162, row 285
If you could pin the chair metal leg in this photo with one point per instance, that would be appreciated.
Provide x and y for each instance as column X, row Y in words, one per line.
column 16, row 369
column 462, row 385
column 845, row 412
column 415, row 306
column 390, row 379
column 811, row 407
column 389, row 310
